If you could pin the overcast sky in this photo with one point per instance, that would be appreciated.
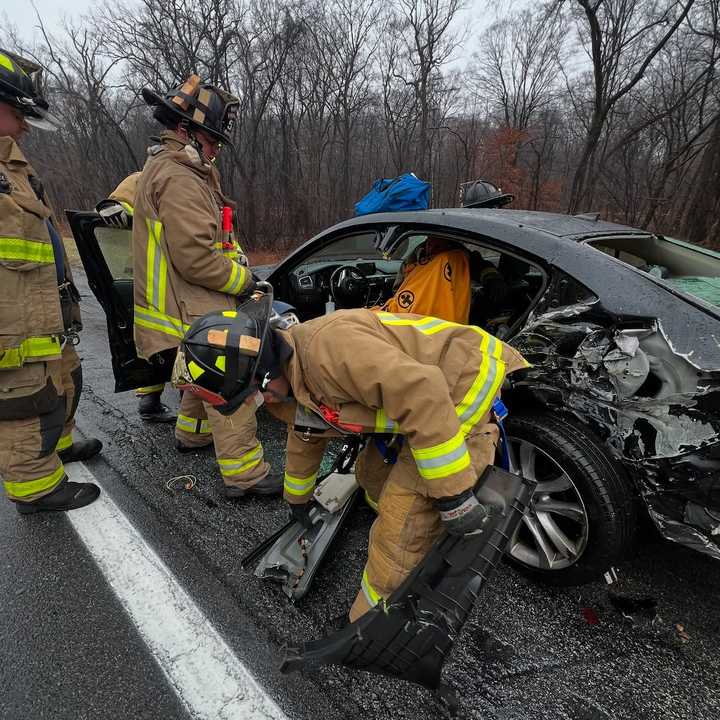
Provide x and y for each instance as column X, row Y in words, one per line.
column 477, row 15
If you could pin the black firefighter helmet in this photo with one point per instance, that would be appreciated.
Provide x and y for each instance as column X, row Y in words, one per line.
column 483, row 194
column 223, row 354
column 201, row 105
column 20, row 87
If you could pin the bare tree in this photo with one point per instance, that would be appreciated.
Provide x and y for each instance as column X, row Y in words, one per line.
column 621, row 38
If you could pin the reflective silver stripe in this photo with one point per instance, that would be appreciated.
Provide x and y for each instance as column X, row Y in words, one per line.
column 245, row 463
column 299, row 486
column 485, row 387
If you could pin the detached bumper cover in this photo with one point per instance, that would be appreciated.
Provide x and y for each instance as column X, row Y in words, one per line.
column 411, row 635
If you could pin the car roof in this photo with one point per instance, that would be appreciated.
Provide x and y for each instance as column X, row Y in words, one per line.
column 489, row 221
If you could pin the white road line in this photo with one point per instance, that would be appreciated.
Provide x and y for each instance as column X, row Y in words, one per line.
column 207, row 677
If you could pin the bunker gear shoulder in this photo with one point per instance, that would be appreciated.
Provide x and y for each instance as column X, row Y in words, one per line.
column 182, row 267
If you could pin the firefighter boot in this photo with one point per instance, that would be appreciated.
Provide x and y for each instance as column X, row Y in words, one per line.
column 66, row 496
column 80, row 450
column 152, row 410
column 271, row 484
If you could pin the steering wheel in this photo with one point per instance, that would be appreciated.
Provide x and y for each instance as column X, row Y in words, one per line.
column 349, row 286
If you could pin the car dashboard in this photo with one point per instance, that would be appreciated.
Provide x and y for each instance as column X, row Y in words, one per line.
column 311, row 285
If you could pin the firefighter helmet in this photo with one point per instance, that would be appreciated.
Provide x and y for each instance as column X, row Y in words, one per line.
column 200, row 105
column 20, row 87
column 483, row 194
column 219, row 356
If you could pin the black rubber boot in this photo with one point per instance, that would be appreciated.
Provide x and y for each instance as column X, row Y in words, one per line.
column 81, row 450
column 66, row 496
column 189, row 448
column 271, row 484
column 152, row 410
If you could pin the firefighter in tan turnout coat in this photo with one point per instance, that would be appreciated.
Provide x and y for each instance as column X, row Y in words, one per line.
column 431, row 381
column 186, row 263
column 117, row 210
column 40, row 373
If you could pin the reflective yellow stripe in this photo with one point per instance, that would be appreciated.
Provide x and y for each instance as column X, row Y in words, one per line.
column 300, row 486
column 127, row 207
column 156, row 267
column 370, row 501
column 64, row 442
column 230, row 467
column 383, row 424
column 485, row 387
column 441, row 461
column 14, row 248
column 6, row 62
column 149, row 390
column 153, row 320
column 20, row 489
column 236, row 282
column 426, row 325
column 33, row 348
column 371, row 595
column 200, row 426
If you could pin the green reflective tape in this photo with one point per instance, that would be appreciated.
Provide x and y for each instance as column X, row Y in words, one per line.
column 371, row 595
column 14, row 249
column 441, row 461
column 230, row 467
column 383, row 424
column 299, row 486
column 199, row 426
column 154, row 320
column 64, row 442
column 25, row 488
column 149, row 389
column 31, row 349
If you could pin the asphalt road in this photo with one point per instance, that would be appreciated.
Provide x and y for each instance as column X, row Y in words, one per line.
column 69, row 651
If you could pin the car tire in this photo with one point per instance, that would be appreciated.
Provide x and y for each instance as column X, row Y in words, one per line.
column 582, row 516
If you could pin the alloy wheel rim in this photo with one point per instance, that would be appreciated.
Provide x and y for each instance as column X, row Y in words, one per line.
column 553, row 533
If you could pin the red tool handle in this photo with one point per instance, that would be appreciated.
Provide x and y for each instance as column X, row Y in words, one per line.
column 227, row 219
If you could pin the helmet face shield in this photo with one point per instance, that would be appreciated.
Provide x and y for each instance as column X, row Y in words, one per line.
column 21, row 87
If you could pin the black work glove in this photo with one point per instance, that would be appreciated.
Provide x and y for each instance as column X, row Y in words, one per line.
column 299, row 513
column 463, row 514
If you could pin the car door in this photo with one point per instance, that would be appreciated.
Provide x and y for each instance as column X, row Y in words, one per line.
column 106, row 255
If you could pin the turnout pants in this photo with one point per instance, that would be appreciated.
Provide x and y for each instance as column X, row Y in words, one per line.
column 407, row 524
column 29, row 463
column 239, row 452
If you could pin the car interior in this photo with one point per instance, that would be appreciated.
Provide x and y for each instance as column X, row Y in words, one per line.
column 351, row 272
column 689, row 268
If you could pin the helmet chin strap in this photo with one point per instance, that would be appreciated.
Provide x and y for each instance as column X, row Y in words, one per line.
column 192, row 139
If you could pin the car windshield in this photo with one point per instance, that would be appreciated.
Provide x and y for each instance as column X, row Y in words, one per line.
column 691, row 269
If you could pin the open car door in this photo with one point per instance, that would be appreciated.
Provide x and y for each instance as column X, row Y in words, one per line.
column 106, row 255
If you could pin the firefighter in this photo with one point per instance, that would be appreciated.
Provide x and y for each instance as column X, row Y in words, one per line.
column 186, row 263
column 431, row 381
column 40, row 373
column 117, row 211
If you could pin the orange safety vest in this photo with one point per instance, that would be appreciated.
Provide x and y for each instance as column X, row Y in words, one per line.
column 438, row 287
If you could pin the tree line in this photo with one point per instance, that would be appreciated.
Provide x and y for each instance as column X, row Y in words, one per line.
column 609, row 106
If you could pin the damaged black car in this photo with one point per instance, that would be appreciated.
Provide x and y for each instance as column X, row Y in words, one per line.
column 619, row 413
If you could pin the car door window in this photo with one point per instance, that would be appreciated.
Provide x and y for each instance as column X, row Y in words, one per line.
column 116, row 246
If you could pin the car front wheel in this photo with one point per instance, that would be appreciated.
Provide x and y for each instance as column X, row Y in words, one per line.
column 581, row 517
